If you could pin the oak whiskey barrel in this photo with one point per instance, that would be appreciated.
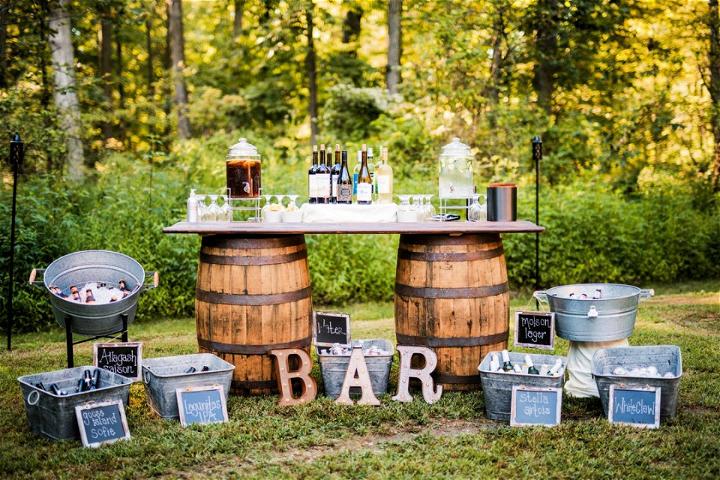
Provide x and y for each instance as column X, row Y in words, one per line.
column 253, row 295
column 451, row 294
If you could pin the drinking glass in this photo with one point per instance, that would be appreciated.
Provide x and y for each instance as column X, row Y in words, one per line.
column 201, row 207
column 475, row 210
column 226, row 213
column 213, row 210
column 293, row 202
column 429, row 209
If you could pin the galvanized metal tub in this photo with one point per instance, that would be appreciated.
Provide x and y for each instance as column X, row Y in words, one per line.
column 334, row 368
column 79, row 268
column 54, row 416
column 497, row 386
column 163, row 375
column 594, row 312
column 666, row 358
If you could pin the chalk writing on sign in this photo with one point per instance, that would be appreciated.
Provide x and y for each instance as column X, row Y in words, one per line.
column 636, row 406
column 331, row 328
column 201, row 405
column 121, row 358
column 535, row 406
column 535, row 329
column 101, row 423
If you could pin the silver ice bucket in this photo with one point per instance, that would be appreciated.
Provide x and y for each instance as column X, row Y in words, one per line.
column 594, row 312
column 90, row 266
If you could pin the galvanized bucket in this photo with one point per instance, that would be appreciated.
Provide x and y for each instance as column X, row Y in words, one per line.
column 86, row 266
column 334, row 368
column 666, row 358
column 53, row 415
column 594, row 312
column 163, row 375
column 497, row 386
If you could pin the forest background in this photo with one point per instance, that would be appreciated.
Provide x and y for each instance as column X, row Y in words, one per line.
column 126, row 105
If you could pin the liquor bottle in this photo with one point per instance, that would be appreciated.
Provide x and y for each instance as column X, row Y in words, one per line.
column 531, row 366
column 356, row 172
column 87, row 380
column 371, row 167
column 334, row 173
column 311, row 176
column 322, row 176
column 556, row 367
column 344, row 182
column 364, row 181
column 89, row 297
column 494, row 363
column 384, row 178
column 192, row 207
column 507, row 364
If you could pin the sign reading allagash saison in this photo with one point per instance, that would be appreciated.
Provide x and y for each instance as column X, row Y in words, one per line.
column 331, row 328
column 535, row 329
column 201, row 405
column 102, row 422
column 636, row 406
column 122, row 358
column 535, row 406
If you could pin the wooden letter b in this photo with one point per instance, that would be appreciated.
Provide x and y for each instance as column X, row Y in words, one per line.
column 284, row 376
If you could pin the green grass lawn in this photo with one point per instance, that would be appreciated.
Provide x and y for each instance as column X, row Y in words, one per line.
column 449, row 439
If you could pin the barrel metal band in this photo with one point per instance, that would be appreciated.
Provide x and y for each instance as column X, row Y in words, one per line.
column 223, row 241
column 450, row 256
column 470, row 292
column 254, row 384
column 456, row 379
column 236, row 349
column 435, row 342
column 441, row 240
column 245, row 260
column 240, row 299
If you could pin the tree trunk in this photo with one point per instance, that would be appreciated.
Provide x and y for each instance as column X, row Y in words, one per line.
column 237, row 18
column 310, row 65
column 66, row 101
column 713, row 23
column 546, row 52
column 269, row 5
column 150, row 58
column 351, row 24
column 394, row 46
column 496, row 66
column 119, row 67
column 4, row 14
column 177, row 57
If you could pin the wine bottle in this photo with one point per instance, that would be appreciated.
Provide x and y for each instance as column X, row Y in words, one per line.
column 507, row 364
column 80, row 386
column 371, row 167
column 311, row 176
column 494, row 362
column 364, row 182
column 334, row 173
column 190, row 370
column 96, row 379
column 344, row 182
column 517, row 368
column 87, row 380
column 531, row 366
column 556, row 367
column 384, row 178
column 356, row 172
column 205, row 368
column 322, row 176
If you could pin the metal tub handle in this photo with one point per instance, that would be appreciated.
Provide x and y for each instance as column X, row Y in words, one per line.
column 592, row 313
column 541, row 296
column 646, row 293
column 33, row 277
column 155, row 280
column 33, row 398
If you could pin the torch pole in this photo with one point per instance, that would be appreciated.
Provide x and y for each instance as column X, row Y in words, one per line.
column 17, row 152
column 537, row 156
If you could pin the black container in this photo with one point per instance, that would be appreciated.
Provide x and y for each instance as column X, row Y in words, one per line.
column 502, row 202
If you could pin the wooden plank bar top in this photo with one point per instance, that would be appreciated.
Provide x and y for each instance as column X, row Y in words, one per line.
column 421, row 228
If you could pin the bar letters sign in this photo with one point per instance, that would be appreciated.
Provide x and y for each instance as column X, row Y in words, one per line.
column 331, row 328
column 201, row 405
column 532, row 406
column 122, row 358
column 636, row 406
column 102, row 422
column 535, row 329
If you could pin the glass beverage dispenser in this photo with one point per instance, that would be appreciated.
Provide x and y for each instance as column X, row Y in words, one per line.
column 456, row 176
column 243, row 170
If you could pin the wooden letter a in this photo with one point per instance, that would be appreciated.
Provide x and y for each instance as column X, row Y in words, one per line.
column 284, row 376
column 357, row 367
column 406, row 353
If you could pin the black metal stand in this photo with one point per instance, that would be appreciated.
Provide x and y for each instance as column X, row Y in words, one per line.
column 17, row 153
column 121, row 335
column 537, row 156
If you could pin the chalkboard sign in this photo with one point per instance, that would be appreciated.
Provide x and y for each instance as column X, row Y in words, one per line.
column 201, row 405
column 331, row 328
column 535, row 329
column 535, row 406
column 636, row 406
column 122, row 358
column 102, row 422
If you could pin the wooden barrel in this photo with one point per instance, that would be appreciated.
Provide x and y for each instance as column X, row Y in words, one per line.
column 451, row 294
column 253, row 295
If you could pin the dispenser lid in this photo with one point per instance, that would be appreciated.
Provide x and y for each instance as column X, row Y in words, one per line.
column 243, row 149
column 455, row 149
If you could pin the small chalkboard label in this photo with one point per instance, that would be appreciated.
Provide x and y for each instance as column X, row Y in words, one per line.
column 531, row 406
column 201, row 405
column 636, row 406
column 535, row 329
column 102, row 422
column 122, row 358
column 331, row 328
